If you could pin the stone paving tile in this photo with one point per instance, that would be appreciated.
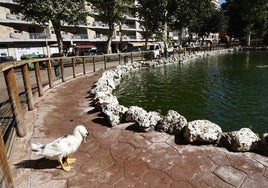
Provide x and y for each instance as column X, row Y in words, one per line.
column 231, row 175
column 119, row 157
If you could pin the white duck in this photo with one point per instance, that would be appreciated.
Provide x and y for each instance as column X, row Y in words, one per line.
column 61, row 148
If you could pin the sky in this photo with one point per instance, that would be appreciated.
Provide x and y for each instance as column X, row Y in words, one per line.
column 221, row 1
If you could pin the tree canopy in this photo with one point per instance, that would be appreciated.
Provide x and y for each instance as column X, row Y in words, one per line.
column 200, row 17
column 112, row 13
column 59, row 12
column 246, row 17
column 152, row 15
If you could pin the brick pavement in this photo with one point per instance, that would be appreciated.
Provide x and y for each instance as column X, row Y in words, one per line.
column 121, row 156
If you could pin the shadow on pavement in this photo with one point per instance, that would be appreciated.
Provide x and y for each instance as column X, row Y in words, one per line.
column 41, row 163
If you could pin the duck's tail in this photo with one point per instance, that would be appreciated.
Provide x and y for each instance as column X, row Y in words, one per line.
column 37, row 148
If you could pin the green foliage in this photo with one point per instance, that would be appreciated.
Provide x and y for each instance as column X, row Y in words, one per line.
column 65, row 11
column 57, row 11
column 200, row 17
column 153, row 14
column 112, row 13
column 246, row 17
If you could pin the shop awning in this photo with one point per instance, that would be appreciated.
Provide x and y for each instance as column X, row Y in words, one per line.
column 85, row 46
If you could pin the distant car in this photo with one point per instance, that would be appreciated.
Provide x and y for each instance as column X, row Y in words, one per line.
column 28, row 56
column 134, row 49
column 156, row 51
column 56, row 55
column 92, row 51
column 41, row 56
column 7, row 58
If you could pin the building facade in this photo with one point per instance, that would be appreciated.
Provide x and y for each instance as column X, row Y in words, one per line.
column 19, row 37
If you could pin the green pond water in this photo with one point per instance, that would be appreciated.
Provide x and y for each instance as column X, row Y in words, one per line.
column 230, row 90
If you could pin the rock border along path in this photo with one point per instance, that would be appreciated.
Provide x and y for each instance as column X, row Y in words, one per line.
column 119, row 156
column 196, row 132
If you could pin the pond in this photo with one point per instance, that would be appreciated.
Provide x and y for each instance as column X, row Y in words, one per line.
column 230, row 90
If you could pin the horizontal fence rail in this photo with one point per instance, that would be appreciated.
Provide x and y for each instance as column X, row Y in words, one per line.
column 22, row 81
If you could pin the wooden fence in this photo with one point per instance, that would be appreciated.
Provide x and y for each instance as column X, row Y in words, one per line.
column 26, row 79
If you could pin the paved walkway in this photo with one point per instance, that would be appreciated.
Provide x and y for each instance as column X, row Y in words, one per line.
column 119, row 156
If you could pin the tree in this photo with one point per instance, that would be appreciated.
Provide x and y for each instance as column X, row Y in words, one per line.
column 180, row 15
column 208, row 19
column 112, row 13
column 59, row 12
column 152, row 15
column 246, row 17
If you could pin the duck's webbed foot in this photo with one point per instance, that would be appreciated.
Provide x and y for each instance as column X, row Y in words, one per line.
column 70, row 160
column 66, row 168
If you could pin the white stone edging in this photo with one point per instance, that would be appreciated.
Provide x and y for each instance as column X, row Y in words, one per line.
column 196, row 132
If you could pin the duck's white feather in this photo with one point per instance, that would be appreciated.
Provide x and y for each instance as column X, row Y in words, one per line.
column 63, row 146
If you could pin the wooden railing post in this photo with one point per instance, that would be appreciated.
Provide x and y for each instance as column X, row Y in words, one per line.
column 15, row 101
column 94, row 64
column 105, row 59
column 73, row 67
column 119, row 59
column 49, row 73
column 7, row 180
column 131, row 57
column 62, row 70
column 38, row 79
column 27, row 86
column 84, row 65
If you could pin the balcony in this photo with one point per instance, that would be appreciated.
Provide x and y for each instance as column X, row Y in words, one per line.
column 14, row 16
column 99, row 24
column 29, row 36
column 17, row 35
column 39, row 36
column 129, row 27
column 8, row 2
column 74, row 36
column 100, row 37
column 80, row 36
column 129, row 37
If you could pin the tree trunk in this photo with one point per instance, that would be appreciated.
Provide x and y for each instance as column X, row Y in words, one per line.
column 146, row 37
column 108, row 45
column 57, row 29
column 249, row 38
column 108, row 48
column 180, row 37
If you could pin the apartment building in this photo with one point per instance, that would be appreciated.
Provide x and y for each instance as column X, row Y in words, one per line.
column 19, row 37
